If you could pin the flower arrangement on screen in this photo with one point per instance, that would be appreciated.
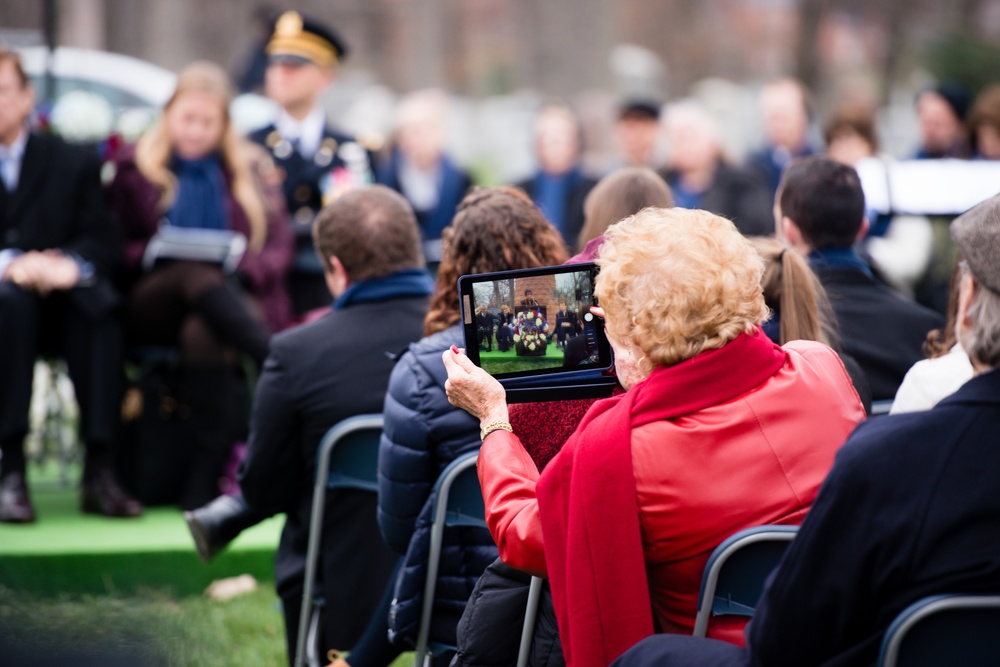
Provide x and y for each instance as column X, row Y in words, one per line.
column 530, row 337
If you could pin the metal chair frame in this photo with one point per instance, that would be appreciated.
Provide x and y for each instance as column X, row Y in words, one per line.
column 530, row 617
column 326, row 479
column 902, row 627
column 445, row 513
column 717, row 561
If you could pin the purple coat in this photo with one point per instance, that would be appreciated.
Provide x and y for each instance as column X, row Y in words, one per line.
column 136, row 202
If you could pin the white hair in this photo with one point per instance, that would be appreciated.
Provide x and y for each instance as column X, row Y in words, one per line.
column 694, row 115
column 981, row 339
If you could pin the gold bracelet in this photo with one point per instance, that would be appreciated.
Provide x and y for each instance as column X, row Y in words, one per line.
column 494, row 426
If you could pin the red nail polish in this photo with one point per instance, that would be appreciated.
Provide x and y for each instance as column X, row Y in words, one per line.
column 454, row 349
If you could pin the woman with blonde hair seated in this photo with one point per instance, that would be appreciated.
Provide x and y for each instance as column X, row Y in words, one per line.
column 719, row 430
column 192, row 172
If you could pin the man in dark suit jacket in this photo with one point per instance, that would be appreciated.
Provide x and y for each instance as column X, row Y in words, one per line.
column 322, row 373
column 58, row 244
column 821, row 213
column 559, row 187
column 909, row 510
column 318, row 163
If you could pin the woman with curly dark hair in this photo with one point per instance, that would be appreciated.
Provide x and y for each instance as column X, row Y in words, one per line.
column 494, row 229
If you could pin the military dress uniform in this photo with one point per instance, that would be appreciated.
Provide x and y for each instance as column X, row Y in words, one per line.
column 311, row 179
column 339, row 165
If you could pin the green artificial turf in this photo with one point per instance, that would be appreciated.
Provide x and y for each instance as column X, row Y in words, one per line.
column 133, row 588
column 497, row 362
column 66, row 551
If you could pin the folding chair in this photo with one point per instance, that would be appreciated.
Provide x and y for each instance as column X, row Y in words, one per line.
column 944, row 630
column 457, row 501
column 881, row 407
column 735, row 573
column 347, row 459
column 530, row 616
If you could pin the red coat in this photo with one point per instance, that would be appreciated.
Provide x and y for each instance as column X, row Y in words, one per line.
column 698, row 478
column 136, row 202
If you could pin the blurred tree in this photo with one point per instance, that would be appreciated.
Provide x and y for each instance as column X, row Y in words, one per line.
column 964, row 58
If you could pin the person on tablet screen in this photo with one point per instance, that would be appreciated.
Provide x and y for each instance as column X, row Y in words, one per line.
column 529, row 300
column 192, row 171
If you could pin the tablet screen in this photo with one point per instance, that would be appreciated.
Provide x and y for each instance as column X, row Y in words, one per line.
column 533, row 322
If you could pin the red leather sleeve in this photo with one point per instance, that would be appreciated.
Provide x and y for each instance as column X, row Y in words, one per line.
column 508, row 476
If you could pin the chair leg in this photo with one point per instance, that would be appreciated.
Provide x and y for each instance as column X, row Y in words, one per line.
column 312, row 639
column 530, row 616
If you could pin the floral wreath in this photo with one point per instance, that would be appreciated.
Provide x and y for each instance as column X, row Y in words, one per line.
column 530, row 329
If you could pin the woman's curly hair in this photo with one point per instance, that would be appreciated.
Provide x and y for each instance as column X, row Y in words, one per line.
column 494, row 229
column 675, row 282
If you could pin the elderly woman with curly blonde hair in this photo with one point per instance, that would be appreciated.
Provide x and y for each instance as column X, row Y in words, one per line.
column 720, row 430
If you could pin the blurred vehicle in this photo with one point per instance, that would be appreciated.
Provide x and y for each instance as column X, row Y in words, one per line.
column 88, row 95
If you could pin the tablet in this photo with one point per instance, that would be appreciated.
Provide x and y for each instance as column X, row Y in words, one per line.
column 535, row 323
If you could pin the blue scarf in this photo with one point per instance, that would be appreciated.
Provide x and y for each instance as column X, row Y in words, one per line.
column 838, row 258
column 685, row 197
column 551, row 193
column 201, row 194
column 408, row 282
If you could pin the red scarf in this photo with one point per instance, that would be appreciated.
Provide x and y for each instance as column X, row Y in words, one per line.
column 587, row 503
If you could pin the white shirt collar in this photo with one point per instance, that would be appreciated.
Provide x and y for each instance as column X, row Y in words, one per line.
column 308, row 131
column 16, row 149
column 11, row 158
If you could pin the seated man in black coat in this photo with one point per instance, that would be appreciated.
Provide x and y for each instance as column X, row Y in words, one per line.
column 909, row 510
column 484, row 327
column 58, row 245
column 322, row 373
column 820, row 209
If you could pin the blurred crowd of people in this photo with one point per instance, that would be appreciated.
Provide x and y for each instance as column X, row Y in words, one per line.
column 310, row 274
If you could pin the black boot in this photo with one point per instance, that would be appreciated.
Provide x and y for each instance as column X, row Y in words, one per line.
column 15, row 503
column 211, row 393
column 100, row 492
column 226, row 310
column 218, row 523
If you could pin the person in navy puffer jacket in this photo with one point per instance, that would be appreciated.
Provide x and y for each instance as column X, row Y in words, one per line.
column 495, row 229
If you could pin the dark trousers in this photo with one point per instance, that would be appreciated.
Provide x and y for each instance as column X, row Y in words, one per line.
column 195, row 306
column 89, row 339
column 683, row 651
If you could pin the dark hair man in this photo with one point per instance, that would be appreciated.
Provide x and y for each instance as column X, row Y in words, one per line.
column 319, row 164
column 637, row 130
column 322, row 373
column 909, row 510
column 58, row 244
column 820, row 211
column 941, row 115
